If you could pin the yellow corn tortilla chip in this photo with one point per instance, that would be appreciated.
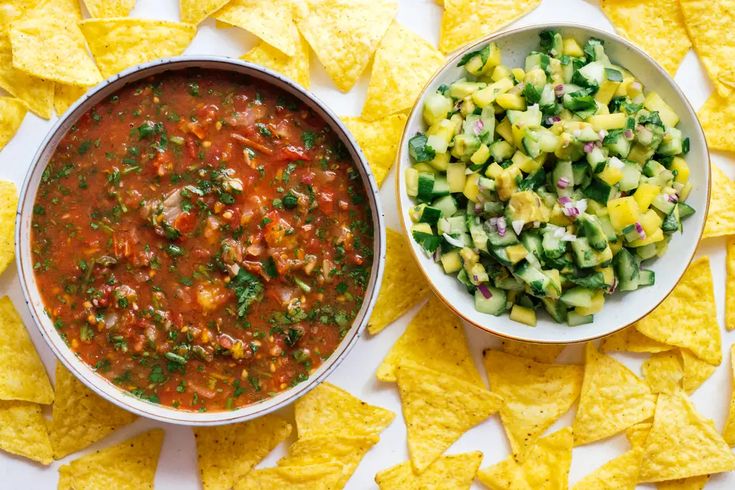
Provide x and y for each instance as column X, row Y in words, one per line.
column 294, row 67
column 80, row 417
column 435, row 337
column 12, row 113
column 620, row 473
column 696, row 371
column 631, row 340
column 534, row 394
column 8, row 205
column 721, row 214
column 729, row 430
column 22, row 375
column 730, row 285
column 693, row 483
column 663, row 372
column 656, row 26
column 709, row 23
column 226, row 453
column 538, row 352
column 687, row 317
column 109, row 8
column 48, row 44
column 271, row 21
column 452, row 472
column 36, row 94
column 717, row 117
column 637, row 434
column 195, row 11
column 322, row 476
column 682, row 443
column 612, row 398
column 545, row 466
column 403, row 64
column 465, row 21
column 122, row 42
column 23, row 431
column 129, row 465
column 379, row 141
column 438, row 408
column 345, row 33
column 65, row 96
column 11, row 10
column 330, row 411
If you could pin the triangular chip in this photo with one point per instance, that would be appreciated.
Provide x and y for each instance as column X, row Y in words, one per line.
column 452, row 472
column 730, row 285
column 545, row 466
column 271, row 21
column 403, row 64
column 538, row 352
column 294, row 67
column 65, row 96
column 226, row 453
column 80, row 417
column 195, row 11
column 612, row 398
column 12, row 113
column 22, row 375
column 687, row 318
column 696, row 371
column 721, row 214
column 709, row 23
column 379, row 141
column 682, row 443
column 435, row 337
column 663, row 372
column 129, row 465
column 345, row 33
column 122, row 42
column 620, row 473
column 631, row 340
column 23, row 431
column 109, row 8
column 48, row 44
column 465, row 21
column 438, row 408
column 322, row 476
column 656, row 26
column 692, row 483
column 729, row 431
column 637, row 434
column 717, row 117
column 36, row 93
column 400, row 269
column 329, row 410
column 8, row 205
column 534, row 394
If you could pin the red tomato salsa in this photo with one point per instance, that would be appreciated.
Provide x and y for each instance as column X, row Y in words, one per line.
column 202, row 240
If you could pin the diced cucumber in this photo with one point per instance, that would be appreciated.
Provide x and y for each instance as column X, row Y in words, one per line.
column 646, row 252
column 598, row 190
column 523, row 314
column 584, row 255
column 593, row 231
column 685, row 210
column 430, row 215
column 597, row 159
column 631, row 177
column 425, row 187
column 496, row 304
column 661, row 203
column 575, row 319
column 478, row 234
column 646, row 278
column 532, row 241
column 608, row 229
column 535, row 278
column 556, row 309
column 563, row 178
column 509, row 283
column 627, row 270
column 578, row 297
column 553, row 247
column 672, row 221
column 457, row 224
column 447, row 205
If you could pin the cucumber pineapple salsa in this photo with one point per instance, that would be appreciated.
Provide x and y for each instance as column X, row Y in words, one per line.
column 549, row 185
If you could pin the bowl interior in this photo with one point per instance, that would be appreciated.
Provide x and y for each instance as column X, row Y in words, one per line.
column 25, row 265
column 620, row 309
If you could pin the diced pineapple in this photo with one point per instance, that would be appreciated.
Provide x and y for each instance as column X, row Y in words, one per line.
column 481, row 155
column 654, row 102
column 519, row 74
column 436, row 108
column 608, row 121
column 572, row 48
column 622, row 89
column 505, row 185
column 518, row 134
column 558, row 217
column 451, row 261
column 681, row 167
column 610, row 175
column 493, row 170
column 654, row 237
column 500, row 72
column 456, row 177
column 440, row 161
column 684, row 194
column 606, row 91
column 650, row 221
column 525, row 163
column 523, row 315
column 488, row 95
column 504, row 130
column 471, row 188
column 511, row 101
column 645, row 194
column 516, row 253
column 616, row 246
column 623, row 211
column 598, row 301
column 412, row 182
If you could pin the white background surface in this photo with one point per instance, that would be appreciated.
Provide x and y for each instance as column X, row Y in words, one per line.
column 177, row 466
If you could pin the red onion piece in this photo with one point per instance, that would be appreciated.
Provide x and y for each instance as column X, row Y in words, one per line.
column 588, row 147
column 484, row 291
column 640, row 230
column 501, row 226
column 565, row 200
column 562, row 183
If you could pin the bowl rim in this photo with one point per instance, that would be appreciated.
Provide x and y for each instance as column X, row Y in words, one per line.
column 449, row 63
column 86, row 373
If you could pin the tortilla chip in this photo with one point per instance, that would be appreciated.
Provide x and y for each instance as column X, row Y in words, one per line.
column 109, row 8
column 226, row 453
column 403, row 64
column 129, row 465
column 12, row 113
column 721, row 214
column 696, row 371
column 438, row 408
column 709, row 23
column 330, row 411
column 271, row 21
column 195, row 11
column 11, row 10
column 36, row 94
column 717, row 117
column 682, row 443
column 638, row 433
column 534, row 395
column 65, row 96
column 345, row 33
column 48, row 44
column 22, row 375
column 656, row 26
column 729, row 431
column 631, row 340
column 435, row 337
column 379, row 142
column 80, row 417
column 663, row 372
column 23, row 431
column 620, row 473
column 322, row 476
column 693, row 483
column 294, row 67
column 612, row 399
column 453, row 472
column 545, row 465
column 122, row 42
column 546, row 353
column 687, row 318
column 730, row 285
column 8, row 206
column 465, row 21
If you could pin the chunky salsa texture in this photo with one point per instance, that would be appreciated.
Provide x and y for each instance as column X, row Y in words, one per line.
column 202, row 240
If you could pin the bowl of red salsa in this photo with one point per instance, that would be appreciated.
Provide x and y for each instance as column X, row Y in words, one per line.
column 199, row 240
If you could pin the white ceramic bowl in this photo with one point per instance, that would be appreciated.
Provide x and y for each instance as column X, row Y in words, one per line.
column 84, row 372
column 621, row 309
